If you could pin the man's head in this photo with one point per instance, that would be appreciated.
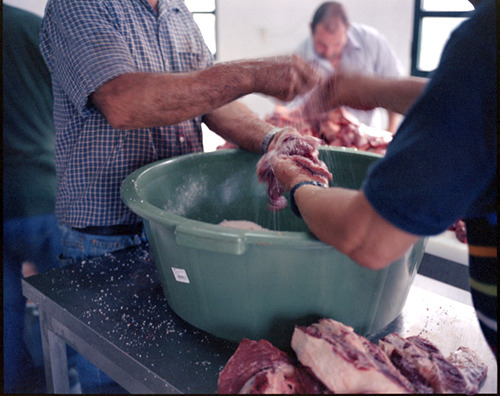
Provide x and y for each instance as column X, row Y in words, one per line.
column 329, row 30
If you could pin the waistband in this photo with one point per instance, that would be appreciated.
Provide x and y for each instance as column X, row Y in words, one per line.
column 119, row 229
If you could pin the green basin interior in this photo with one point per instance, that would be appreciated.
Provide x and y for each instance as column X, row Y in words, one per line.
column 257, row 284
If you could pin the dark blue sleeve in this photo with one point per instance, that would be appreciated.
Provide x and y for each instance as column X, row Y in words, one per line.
column 441, row 164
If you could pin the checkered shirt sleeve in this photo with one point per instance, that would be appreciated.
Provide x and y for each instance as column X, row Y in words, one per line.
column 86, row 43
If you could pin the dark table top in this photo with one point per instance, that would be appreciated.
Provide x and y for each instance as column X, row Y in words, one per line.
column 118, row 298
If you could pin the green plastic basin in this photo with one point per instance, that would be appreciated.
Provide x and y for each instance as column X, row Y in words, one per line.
column 237, row 283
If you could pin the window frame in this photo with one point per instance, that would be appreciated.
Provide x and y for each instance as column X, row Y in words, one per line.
column 419, row 15
column 214, row 13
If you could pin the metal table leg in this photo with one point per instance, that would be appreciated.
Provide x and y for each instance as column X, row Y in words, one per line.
column 54, row 356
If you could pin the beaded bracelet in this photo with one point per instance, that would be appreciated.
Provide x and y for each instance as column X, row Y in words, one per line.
column 267, row 139
column 293, row 204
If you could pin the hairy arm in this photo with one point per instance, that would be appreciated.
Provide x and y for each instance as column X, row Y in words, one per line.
column 142, row 100
column 233, row 121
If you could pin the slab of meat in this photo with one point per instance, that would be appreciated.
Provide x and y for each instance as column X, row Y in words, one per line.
column 471, row 367
column 339, row 128
column 346, row 362
column 408, row 359
column 304, row 151
column 460, row 230
column 242, row 225
column 258, row 367
column 332, row 358
column 426, row 368
column 277, row 380
column 309, row 383
column 282, row 117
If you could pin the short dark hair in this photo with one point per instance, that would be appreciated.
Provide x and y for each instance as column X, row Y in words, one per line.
column 327, row 10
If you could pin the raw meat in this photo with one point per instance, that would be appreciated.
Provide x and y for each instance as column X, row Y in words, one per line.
column 460, row 230
column 243, row 225
column 409, row 361
column 272, row 381
column 471, row 367
column 428, row 370
column 339, row 128
column 282, row 117
column 309, row 383
column 346, row 362
column 332, row 358
column 258, row 367
column 303, row 150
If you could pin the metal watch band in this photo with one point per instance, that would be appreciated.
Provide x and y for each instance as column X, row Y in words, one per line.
column 267, row 139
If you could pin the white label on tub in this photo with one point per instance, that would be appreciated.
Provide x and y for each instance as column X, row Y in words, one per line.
column 180, row 275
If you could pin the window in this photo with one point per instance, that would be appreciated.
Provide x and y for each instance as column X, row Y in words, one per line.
column 204, row 15
column 433, row 23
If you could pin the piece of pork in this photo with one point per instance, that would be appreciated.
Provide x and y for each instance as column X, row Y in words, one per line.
column 409, row 360
column 337, row 128
column 279, row 380
column 460, row 230
column 472, row 368
column 243, row 225
column 309, row 383
column 258, row 367
column 304, row 151
column 283, row 116
column 344, row 361
column 426, row 368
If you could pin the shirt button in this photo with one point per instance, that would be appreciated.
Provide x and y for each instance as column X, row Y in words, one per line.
column 182, row 139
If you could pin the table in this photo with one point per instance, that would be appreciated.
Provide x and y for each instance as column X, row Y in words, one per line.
column 112, row 310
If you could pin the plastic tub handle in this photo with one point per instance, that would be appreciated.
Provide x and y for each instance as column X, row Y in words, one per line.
column 210, row 237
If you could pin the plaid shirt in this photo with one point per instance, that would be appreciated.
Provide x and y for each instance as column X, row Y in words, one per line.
column 86, row 43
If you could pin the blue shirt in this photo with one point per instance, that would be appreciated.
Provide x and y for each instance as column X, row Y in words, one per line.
column 441, row 164
column 366, row 51
column 85, row 44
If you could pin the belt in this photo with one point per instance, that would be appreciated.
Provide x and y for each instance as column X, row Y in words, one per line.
column 119, row 229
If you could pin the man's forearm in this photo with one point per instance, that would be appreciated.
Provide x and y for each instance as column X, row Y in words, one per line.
column 233, row 122
column 142, row 100
column 344, row 219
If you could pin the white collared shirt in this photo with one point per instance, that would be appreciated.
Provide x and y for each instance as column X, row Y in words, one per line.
column 366, row 51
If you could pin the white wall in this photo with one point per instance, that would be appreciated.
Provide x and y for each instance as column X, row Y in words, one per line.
column 35, row 6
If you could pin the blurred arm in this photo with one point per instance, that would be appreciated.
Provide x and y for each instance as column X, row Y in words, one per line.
column 364, row 93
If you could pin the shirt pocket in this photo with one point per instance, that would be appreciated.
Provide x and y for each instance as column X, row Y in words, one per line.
column 189, row 61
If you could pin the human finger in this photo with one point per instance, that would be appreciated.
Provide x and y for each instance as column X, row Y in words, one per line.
column 286, row 171
column 279, row 136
